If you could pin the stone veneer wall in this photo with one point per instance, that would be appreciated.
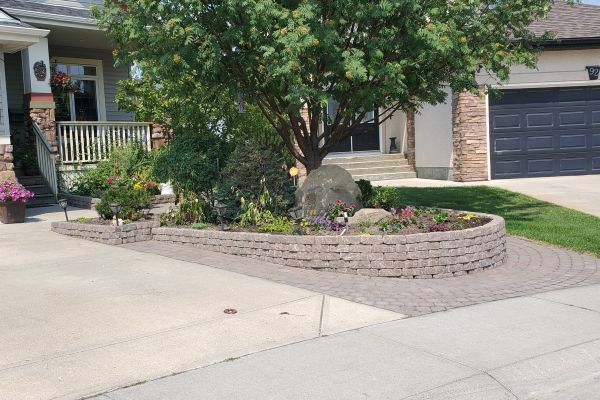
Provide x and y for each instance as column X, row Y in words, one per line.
column 6, row 163
column 161, row 134
column 46, row 121
column 424, row 255
column 469, row 137
column 107, row 234
column 410, row 139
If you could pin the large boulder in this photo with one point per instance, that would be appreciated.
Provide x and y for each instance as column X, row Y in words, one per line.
column 326, row 184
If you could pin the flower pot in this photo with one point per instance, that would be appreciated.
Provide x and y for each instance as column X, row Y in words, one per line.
column 12, row 212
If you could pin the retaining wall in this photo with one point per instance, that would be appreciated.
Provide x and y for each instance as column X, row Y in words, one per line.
column 423, row 255
column 107, row 234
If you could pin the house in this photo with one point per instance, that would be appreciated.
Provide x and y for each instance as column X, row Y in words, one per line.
column 546, row 123
column 45, row 38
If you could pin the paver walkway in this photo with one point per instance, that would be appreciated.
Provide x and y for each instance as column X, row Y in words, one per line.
column 531, row 268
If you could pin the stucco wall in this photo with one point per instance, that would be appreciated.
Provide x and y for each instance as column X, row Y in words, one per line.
column 433, row 140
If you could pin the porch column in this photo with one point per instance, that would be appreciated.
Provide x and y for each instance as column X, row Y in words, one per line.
column 6, row 149
column 39, row 103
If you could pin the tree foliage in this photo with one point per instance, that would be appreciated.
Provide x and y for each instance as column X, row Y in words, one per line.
column 289, row 55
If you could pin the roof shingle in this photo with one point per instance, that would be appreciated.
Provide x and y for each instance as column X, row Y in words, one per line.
column 578, row 21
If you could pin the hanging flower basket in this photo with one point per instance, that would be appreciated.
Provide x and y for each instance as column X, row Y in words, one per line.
column 62, row 83
column 13, row 201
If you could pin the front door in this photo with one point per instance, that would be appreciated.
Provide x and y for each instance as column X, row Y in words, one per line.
column 364, row 137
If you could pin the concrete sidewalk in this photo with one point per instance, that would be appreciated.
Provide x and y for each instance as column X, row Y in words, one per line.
column 540, row 347
column 80, row 318
column 577, row 192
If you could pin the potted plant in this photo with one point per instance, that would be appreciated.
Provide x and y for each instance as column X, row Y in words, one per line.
column 13, row 200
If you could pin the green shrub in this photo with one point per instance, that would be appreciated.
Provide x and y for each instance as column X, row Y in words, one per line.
column 366, row 192
column 94, row 182
column 200, row 225
column 191, row 162
column 132, row 162
column 192, row 209
column 132, row 202
column 248, row 166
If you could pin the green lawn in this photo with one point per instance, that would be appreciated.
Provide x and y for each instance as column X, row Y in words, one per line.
column 525, row 216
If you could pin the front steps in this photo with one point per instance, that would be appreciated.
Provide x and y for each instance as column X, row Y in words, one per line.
column 379, row 167
column 43, row 193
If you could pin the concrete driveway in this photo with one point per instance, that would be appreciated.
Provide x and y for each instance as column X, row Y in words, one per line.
column 578, row 192
column 80, row 318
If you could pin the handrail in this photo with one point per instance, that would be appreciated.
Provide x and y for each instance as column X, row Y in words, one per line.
column 40, row 135
column 46, row 159
column 92, row 141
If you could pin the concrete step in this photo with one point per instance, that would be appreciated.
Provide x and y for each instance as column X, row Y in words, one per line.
column 31, row 180
column 385, row 176
column 374, row 157
column 39, row 189
column 378, row 170
column 41, row 200
column 373, row 164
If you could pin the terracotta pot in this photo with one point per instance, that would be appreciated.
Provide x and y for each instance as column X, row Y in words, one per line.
column 12, row 212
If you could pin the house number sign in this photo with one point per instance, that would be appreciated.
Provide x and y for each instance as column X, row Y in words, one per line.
column 593, row 71
column 40, row 70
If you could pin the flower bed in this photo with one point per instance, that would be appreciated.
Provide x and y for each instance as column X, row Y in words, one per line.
column 418, row 255
column 107, row 234
column 89, row 203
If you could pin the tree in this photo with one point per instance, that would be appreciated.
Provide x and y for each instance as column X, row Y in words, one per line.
column 289, row 57
column 185, row 105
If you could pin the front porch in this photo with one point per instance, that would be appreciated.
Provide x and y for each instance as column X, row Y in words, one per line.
column 59, row 113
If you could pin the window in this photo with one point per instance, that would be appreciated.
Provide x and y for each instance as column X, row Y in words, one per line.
column 86, row 102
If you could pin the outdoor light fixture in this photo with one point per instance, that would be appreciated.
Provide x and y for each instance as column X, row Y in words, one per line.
column 593, row 72
column 346, row 217
column 221, row 210
column 63, row 203
column 116, row 209
column 296, row 212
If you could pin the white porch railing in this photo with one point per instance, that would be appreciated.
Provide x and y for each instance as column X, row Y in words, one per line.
column 46, row 159
column 90, row 142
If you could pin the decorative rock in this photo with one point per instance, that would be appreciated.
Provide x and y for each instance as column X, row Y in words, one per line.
column 372, row 215
column 323, row 186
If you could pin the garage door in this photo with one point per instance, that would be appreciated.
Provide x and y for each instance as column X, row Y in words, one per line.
column 545, row 132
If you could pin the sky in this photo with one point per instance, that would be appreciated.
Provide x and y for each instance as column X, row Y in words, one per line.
column 596, row 2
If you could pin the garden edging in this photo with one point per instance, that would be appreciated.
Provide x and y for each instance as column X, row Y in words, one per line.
column 421, row 255
column 107, row 234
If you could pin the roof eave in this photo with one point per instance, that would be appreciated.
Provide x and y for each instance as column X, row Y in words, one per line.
column 571, row 43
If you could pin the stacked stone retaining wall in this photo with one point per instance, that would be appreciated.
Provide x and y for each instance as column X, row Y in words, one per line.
column 107, row 234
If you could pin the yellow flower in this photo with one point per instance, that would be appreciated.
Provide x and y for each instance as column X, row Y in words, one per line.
column 296, row 14
column 176, row 58
column 348, row 74
column 463, row 39
column 137, row 186
column 315, row 42
column 293, row 171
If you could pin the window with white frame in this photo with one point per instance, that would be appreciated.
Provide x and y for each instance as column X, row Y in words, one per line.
column 82, row 102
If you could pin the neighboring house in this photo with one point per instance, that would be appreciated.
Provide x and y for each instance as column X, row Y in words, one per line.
column 40, row 36
column 547, row 122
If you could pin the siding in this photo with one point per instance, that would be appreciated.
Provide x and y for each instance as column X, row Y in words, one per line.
column 72, row 3
column 112, row 75
column 14, row 82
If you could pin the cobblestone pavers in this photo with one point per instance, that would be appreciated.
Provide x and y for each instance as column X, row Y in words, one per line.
column 530, row 268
